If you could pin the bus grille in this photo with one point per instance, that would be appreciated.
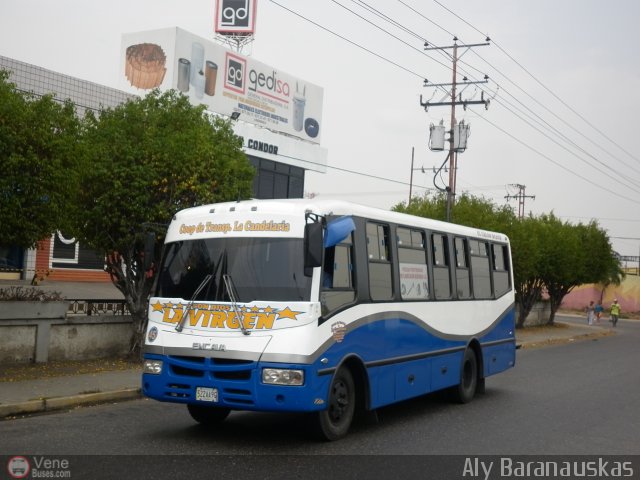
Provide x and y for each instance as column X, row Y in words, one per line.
column 232, row 377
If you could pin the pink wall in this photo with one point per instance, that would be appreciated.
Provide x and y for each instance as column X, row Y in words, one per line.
column 628, row 295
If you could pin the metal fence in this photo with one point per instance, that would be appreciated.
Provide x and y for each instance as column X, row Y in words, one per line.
column 97, row 307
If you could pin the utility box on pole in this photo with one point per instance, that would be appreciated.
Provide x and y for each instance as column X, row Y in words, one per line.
column 436, row 137
column 460, row 135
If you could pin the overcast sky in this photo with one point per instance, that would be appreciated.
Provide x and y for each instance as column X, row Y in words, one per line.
column 563, row 78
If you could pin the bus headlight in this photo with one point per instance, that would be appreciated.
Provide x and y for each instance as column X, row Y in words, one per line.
column 278, row 376
column 154, row 367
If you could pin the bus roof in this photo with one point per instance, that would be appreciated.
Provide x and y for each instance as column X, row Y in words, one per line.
column 300, row 206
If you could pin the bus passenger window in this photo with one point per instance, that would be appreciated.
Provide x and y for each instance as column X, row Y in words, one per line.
column 480, row 273
column 380, row 280
column 501, row 277
column 412, row 259
column 463, row 278
column 441, row 273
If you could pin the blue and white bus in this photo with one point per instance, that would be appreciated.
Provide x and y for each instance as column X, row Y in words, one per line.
column 324, row 307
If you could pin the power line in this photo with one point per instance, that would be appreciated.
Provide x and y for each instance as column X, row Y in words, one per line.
column 597, row 185
column 346, row 170
column 548, row 127
column 381, row 57
column 551, row 128
column 541, row 84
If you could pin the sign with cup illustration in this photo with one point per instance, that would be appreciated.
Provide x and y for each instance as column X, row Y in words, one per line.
column 210, row 77
column 184, row 74
column 222, row 80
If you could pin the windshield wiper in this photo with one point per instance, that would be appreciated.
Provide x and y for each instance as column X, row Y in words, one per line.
column 231, row 291
column 180, row 324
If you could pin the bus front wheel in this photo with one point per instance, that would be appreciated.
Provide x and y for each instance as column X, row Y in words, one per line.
column 334, row 422
column 466, row 389
column 207, row 415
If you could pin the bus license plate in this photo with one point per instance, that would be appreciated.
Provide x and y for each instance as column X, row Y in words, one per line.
column 205, row 394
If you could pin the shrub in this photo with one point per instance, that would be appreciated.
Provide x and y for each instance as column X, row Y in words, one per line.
column 28, row 294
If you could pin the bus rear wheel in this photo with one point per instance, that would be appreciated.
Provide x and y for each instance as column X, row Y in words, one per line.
column 334, row 422
column 206, row 415
column 466, row 389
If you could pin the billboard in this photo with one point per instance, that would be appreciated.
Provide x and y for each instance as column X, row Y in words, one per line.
column 236, row 16
column 223, row 80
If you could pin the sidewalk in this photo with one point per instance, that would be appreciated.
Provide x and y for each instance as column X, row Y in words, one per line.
column 66, row 392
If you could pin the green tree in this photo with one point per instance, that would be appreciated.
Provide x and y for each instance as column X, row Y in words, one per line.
column 430, row 206
column 147, row 159
column 39, row 155
column 561, row 260
column 574, row 255
column 525, row 237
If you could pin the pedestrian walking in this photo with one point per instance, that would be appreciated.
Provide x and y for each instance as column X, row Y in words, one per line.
column 599, row 309
column 615, row 311
column 591, row 310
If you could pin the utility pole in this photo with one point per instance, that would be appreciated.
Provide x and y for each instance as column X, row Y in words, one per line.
column 453, row 148
column 520, row 196
column 411, row 177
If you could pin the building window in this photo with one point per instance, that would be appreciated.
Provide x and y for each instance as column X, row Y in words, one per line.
column 276, row 180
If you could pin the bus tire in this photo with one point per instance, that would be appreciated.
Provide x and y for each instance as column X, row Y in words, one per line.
column 466, row 389
column 334, row 422
column 206, row 415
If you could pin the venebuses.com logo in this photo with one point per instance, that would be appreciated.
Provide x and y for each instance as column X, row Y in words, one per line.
column 38, row 467
column 18, row 467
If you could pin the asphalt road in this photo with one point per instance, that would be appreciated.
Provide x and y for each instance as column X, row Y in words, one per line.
column 581, row 398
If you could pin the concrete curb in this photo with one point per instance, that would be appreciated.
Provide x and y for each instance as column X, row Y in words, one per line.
column 63, row 403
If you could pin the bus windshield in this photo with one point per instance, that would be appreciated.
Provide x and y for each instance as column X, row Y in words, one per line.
column 269, row 269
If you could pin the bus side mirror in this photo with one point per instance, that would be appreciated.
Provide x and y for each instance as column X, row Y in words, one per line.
column 312, row 246
column 149, row 249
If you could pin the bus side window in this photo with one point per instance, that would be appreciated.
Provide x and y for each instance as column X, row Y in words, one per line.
column 463, row 277
column 337, row 277
column 412, row 260
column 480, row 273
column 441, row 272
column 329, row 267
column 380, row 280
column 501, row 277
